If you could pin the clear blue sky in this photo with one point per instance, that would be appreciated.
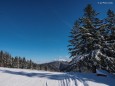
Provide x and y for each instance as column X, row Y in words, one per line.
column 39, row 29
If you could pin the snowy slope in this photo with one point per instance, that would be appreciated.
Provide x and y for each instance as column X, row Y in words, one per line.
column 23, row 77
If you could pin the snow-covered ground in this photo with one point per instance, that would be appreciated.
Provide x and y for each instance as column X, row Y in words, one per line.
column 23, row 77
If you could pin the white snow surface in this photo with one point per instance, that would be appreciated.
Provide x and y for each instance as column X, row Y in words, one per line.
column 26, row 77
column 103, row 72
column 78, row 58
column 95, row 54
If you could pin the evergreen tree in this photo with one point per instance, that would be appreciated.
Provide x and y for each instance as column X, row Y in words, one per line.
column 109, row 48
column 30, row 66
column 110, row 40
column 16, row 62
column 23, row 62
column 94, row 39
column 1, row 58
column 84, row 35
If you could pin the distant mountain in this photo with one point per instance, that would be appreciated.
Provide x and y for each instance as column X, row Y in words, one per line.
column 54, row 66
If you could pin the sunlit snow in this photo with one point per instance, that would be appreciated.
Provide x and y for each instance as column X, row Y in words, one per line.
column 23, row 77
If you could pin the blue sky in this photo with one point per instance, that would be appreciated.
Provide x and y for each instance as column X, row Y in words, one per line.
column 39, row 29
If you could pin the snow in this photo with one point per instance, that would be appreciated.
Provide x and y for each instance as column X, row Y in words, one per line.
column 24, row 77
column 103, row 72
column 62, row 59
column 95, row 54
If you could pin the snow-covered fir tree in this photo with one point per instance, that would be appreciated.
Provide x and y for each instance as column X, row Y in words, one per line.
column 109, row 48
column 84, row 35
column 89, row 38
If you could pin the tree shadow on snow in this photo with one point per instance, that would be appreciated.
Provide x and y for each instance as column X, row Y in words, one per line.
column 44, row 74
column 82, row 77
column 109, row 80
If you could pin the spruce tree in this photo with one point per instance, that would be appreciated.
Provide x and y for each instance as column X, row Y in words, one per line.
column 84, row 35
column 1, row 59
column 110, row 42
column 94, row 39
column 109, row 48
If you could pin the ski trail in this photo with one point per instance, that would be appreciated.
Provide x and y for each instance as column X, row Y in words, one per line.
column 76, row 79
column 46, row 84
column 71, row 80
column 19, row 77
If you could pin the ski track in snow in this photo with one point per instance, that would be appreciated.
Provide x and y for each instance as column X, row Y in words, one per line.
column 23, row 77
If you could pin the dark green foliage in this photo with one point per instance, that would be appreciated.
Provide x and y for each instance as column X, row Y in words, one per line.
column 91, row 34
column 6, row 60
column 84, row 34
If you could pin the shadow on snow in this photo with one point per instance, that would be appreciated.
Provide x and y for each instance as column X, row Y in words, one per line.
column 82, row 77
column 45, row 75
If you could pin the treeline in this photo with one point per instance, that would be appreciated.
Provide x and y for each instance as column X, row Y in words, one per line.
column 6, row 60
